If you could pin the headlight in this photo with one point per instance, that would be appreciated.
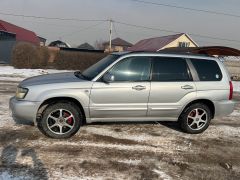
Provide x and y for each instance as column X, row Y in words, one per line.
column 21, row 93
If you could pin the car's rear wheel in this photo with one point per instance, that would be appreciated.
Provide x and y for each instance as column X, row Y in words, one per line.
column 61, row 120
column 196, row 118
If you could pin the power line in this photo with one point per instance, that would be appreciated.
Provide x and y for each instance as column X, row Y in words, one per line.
column 188, row 8
column 145, row 27
column 51, row 18
column 53, row 24
column 170, row 31
column 147, row 34
column 118, row 22
column 82, row 29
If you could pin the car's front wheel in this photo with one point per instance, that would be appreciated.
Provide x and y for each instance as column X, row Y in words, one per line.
column 61, row 120
column 196, row 118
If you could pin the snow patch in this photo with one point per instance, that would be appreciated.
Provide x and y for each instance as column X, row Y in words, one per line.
column 143, row 148
column 17, row 79
column 235, row 113
column 236, row 86
column 5, row 118
column 222, row 131
column 7, row 176
column 61, row 176
column 160, row 142
column 162, row 174
column 9, row 73
column 134, row 162
column 122, row 135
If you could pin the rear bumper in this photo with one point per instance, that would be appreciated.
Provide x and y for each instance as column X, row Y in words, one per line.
column 224, row 108
column 23, row 112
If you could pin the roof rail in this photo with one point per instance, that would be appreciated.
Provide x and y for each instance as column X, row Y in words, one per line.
column 168, row 52
column 207, row 50
column 184, row 53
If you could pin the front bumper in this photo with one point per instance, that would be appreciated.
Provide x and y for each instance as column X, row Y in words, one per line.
column 23, row 112
column 224, row 108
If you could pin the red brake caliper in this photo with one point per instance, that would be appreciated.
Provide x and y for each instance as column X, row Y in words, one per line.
column 70, row 120
column 193, row 113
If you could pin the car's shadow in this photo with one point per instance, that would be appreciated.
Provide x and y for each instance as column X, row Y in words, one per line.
column 171, row 125
column 23, row 122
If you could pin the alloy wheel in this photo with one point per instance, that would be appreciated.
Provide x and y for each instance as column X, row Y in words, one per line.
column 60, row 121
column 197, row 119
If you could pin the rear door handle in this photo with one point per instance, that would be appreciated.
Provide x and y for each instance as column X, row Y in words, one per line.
column 139, row 87
column 187, row 87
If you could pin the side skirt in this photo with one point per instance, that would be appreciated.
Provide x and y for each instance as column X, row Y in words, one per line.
column 131, row 119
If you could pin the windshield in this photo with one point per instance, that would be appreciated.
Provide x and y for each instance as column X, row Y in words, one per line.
column 95, row 69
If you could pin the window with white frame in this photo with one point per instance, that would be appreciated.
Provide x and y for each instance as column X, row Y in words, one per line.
column 184, row 44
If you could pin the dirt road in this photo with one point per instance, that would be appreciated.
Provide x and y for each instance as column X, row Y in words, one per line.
column 119, row 150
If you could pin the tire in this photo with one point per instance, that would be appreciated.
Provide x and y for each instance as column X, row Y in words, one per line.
column 61, row 120
column 195, row 119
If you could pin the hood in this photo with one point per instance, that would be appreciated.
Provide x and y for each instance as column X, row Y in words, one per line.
column 51, row 79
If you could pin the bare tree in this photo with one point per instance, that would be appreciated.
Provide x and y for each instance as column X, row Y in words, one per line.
column 99, row 44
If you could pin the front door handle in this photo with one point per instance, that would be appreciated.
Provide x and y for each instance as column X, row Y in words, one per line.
column 139, row 87
column 187, row 87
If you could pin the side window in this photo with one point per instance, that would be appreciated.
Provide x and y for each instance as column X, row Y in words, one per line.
column 168, row 69
column 132, row 69
column 208, row 70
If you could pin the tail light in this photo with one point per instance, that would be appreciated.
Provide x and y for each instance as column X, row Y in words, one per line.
column 231, row 90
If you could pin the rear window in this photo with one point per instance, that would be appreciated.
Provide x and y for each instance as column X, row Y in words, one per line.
column 208, row 70
column 167, row 69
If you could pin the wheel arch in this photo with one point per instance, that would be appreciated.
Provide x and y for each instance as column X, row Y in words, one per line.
column 207, row 102
column 54, row 100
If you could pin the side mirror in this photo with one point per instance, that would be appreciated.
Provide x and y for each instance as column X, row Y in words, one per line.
column 108, row 78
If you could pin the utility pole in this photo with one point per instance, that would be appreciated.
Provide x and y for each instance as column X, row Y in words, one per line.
column 110, row 35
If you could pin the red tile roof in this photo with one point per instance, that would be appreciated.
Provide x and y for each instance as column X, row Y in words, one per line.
column 21, row 33
column 154, row 44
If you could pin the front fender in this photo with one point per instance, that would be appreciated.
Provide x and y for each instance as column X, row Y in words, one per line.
column 81, row 95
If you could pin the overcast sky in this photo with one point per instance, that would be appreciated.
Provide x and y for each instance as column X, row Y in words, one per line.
column 127, row 11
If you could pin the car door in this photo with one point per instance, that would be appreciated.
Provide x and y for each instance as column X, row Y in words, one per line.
column 171, row 87
column 127, row 95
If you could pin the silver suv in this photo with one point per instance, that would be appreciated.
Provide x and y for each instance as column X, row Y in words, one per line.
column 190, row 89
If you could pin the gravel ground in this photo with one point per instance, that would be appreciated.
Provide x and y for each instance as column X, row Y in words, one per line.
column 119, row 150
